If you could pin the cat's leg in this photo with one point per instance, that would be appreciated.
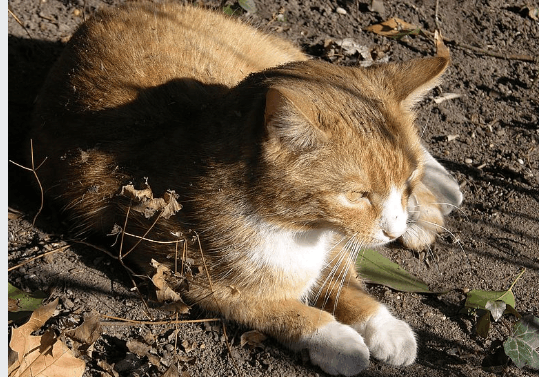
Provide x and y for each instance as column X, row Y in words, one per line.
column 334, row 347
column 388, row 338
column 435, row 196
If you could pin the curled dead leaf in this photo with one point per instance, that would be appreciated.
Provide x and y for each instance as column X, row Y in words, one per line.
column 85, row 335
column 253, row 339
column 148, row 205
column 441, row 48
column 164, row 292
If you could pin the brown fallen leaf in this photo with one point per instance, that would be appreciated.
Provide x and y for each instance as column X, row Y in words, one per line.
column 42, row 356
column 441, row 48
column 148, row 205
column 142, row 350
column 252, row 338
column 163, row 291
column 85, row 335
column 394, row 27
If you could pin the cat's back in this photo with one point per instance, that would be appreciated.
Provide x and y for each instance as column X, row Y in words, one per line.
column 139, row 45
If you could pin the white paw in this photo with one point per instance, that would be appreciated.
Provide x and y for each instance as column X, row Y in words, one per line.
column 389, row 339
column 336, row 349
column 441, row 183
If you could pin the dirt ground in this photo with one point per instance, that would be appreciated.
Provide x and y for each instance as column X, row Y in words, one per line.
column 488, row 137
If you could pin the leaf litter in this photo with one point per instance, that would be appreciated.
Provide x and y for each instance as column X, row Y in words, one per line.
column 44, row 355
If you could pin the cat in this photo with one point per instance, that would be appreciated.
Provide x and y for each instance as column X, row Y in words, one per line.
column 177, row 124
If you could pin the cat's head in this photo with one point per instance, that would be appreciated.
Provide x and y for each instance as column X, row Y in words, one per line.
column 341, row 149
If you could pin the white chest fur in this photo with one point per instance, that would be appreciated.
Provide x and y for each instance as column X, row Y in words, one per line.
column 297, row 257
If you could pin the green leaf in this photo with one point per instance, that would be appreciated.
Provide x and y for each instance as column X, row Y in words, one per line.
column 523, row 346
column 21, row 304
column 228, row 10
column 375, row 268
column 248, row 5
column 477, row 299
column 483, row 325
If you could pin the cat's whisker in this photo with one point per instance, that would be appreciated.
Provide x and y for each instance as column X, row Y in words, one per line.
column 454, row 238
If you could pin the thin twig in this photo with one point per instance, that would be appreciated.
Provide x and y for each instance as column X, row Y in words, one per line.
column 33, row 169
column 63, row 248
column 10, row 11
column 479, row 50
column 143, row 236
column 130, row 272
column 125, row 321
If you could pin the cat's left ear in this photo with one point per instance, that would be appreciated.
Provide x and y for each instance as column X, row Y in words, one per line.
column 414, row 78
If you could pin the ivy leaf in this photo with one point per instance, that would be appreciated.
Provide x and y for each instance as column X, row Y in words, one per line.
column 375, row 268
column 248, row 5
column 523, row 346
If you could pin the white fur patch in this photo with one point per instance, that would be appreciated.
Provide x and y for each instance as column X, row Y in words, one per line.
column 300, row 256
column 444, row 187
column 394, row 217
column 389, row 339
column 336, row 349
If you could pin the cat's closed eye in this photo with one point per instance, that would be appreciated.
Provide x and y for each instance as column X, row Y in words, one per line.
column 354, row 197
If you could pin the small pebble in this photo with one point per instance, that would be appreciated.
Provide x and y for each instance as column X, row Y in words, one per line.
column 468, row 160
column 340, row 10
column 520, row 161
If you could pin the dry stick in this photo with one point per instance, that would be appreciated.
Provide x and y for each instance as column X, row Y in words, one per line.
column 216, row 303
column 143, row 236
column 63, row 248
column 33, row 169
column 10, row 11
column 125, row 321
column 120, row 259
column 130, row 272
column 478, row 50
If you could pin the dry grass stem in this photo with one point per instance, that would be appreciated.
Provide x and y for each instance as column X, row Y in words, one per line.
column 63, row 248
column 33, row 169
column 126, row 322
column 10, row 11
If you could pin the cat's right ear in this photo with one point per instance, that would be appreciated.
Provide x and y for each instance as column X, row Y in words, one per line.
column 414, row 78
column 292, row 119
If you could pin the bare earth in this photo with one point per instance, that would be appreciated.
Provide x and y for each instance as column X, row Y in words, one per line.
column 489, row 240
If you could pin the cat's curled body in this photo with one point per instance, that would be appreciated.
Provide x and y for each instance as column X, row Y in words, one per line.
column 285, row 169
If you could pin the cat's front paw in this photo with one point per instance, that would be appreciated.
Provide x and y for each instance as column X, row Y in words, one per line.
column 389, row 339
column 426, row 219
column 336, row 349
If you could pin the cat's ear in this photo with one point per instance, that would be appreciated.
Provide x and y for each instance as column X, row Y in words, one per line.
column 414, row 78
column 292, row 118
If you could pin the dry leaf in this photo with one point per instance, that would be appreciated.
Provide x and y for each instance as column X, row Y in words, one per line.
column 446, row 96
column 142, row 350
column 164, row 292
column 148, row 205
column 394, row 27
column 86, row 334
column 42, row 356
column 253, row 338
column 441, row 48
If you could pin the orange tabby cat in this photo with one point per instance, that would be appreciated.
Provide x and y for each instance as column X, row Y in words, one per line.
column 285, row 167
